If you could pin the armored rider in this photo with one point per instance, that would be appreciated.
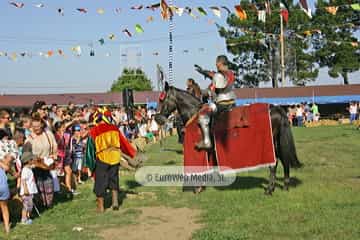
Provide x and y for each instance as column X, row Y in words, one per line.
column 223, row 97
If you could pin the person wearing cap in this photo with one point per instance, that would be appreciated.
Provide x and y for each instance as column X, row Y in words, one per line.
column 223, row 95
column 104, row 147
column 28, row 186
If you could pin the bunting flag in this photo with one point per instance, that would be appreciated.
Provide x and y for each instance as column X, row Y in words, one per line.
column 137, row 7
column 284, row 10
column 112, row 36
column 189, row 11
column 139, row 29
column 149, row 19
column 155, row 54
column 17, row 4
column 201, row 11
column 331, row 9
column 226, row 9
column 355, row 6
column 216, row 11
column 23, row 54
column 13, row 57
column 240, row 12
column 101, row 41
column 82, row 10
column 107, row 54
column 166, row 12
column 179, row 11
column 60, row 52
column 77, row 50
column 268, row 7
column 127, row 32
column 50, row 53
column 92, row 53
column 100, row 11
column 40, row 5
column 153, row 6
column 305, row 8
column 262, row 16
column 61, row 11
column 117, row 10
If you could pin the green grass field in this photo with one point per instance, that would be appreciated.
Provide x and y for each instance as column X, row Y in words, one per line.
column 323, row 203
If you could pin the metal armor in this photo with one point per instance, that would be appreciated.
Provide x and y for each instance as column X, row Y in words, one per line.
column 223, row 90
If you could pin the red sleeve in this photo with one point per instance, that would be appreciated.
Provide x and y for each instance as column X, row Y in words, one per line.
column 126, row 147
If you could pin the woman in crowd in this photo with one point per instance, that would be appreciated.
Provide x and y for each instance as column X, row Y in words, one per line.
column 43, row 144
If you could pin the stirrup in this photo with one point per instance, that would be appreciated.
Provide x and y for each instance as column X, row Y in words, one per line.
column 202, row 146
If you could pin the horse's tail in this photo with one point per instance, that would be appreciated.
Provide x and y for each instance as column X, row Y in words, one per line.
column 287, row 148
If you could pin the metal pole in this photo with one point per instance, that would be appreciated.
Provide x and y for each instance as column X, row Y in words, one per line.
column 171, row 56
column 282, row 51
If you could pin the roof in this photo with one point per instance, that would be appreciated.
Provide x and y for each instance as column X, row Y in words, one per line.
column 287, row 95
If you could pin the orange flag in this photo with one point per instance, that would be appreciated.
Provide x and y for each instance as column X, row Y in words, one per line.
column 240, row 12
column 166, row 12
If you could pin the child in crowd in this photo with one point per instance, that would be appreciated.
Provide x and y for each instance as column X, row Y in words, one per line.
column 8, row 153
column 77, row 150
column 28, row 187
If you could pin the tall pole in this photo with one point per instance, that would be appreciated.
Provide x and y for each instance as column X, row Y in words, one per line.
column 171, row 55
column 282, row 51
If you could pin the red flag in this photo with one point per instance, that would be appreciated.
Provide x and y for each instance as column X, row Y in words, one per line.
column 82, row 10
column 285, row 15
column 240, row 12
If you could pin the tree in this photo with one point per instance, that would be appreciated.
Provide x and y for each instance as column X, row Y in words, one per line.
column 336, row 46
column 132, row 78
column 255, row 45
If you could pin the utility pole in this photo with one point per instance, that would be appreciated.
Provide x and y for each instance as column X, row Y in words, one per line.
column 171, row 55
column 282, row 51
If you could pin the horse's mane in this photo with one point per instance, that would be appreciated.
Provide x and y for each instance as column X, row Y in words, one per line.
column 187, row 94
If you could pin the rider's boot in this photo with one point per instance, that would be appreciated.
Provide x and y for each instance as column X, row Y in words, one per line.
column 205, row 143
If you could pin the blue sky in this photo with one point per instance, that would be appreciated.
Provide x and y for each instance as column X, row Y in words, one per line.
column 35, row 30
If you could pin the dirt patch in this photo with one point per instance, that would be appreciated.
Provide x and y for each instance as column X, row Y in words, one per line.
column 158, row 223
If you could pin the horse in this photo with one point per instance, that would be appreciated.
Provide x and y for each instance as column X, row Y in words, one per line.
column 188, row 105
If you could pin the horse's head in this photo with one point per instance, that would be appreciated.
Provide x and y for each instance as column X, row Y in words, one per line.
column 167, row 104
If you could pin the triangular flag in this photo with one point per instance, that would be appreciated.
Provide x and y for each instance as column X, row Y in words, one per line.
column 40, row 5
column 92, row 53
column 262, row 16
column 332, row 10
column 127, row 32
column 112, row 36
column 82, row 10
column 226, row 9
column 60, row 52
column 101, row 41
column 284, row 10
column 240, row 12
column 23, row 54
column 305, row 8
column 179, row 11
column 137, row 7
column 139, row 29
column 149, row 19
column 202, row 11
column 155, row 54
column 117, row 10
column 216, row 11
column 355, row 6
column 166, row 12
column 13, row 57
column 100, row 11
column 153, row 6
column 17, row 4
column 61, row 11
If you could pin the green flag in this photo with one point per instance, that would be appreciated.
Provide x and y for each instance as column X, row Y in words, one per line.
column 138, row 28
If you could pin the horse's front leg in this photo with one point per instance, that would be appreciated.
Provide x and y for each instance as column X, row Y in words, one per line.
column 272, row 180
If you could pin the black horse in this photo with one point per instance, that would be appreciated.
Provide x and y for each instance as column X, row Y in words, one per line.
column 187, row 105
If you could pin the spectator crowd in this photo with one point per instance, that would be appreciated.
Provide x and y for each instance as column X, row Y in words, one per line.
column 42, row 151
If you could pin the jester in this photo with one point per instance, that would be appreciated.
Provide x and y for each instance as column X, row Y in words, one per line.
column 103, row 155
